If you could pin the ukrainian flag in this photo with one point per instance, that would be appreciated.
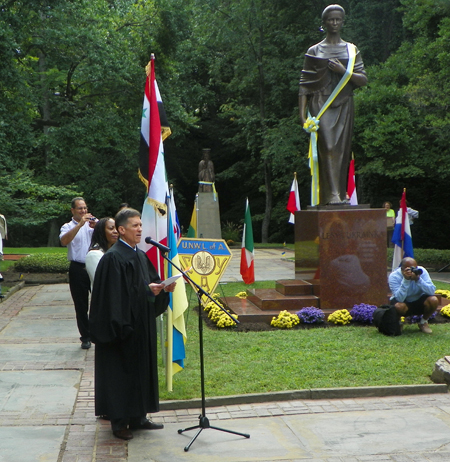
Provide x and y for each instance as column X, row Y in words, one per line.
column 176, row 329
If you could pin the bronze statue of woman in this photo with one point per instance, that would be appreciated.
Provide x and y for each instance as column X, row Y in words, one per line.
column 324, row 69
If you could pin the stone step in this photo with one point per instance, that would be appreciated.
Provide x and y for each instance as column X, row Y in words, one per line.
column 298, row 287
column 249, row 312
column 271, row 299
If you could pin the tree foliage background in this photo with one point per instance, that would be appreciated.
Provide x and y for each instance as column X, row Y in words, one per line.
column 72, row 80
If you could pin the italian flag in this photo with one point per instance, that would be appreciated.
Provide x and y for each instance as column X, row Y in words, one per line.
column 247, row 251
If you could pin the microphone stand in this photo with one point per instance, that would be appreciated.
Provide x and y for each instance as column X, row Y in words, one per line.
column 203, row 420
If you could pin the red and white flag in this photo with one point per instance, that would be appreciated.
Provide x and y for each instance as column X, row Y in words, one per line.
column 152, row 169
column 293, row 204
column 248, row 250
column 351, row 185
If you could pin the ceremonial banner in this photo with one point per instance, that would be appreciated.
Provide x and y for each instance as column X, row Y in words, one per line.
column 204, row 260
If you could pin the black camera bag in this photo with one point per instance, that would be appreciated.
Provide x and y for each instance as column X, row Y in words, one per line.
column 386, row 319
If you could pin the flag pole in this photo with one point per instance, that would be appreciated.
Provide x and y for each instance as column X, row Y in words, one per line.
column 403, row 221
column 196, row 216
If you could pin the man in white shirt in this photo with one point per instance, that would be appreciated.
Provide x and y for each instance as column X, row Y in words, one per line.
column 76, row 235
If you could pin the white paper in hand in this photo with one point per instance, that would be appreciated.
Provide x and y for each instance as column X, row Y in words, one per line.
column 171, row 280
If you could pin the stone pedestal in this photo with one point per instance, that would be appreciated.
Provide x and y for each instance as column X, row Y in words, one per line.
column 208, row 218
column 345, row 249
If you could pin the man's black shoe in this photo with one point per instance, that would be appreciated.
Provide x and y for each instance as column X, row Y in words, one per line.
column 123, row 434
column 147, row 425
column 86, row 345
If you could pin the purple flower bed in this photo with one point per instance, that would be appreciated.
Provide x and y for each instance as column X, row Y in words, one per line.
column 363, row 313
column 311, row 315
column 416, row 319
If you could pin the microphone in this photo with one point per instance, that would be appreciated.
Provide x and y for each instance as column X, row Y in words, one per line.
column 161, row 247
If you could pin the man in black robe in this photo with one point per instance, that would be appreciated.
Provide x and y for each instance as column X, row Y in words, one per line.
column 127, row 297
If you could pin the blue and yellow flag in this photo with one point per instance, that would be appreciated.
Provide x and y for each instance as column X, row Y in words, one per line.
column 176, row 329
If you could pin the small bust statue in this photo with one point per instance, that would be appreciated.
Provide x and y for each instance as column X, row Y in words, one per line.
column 205, row 172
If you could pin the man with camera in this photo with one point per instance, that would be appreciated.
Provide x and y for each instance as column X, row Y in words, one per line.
column 76, row 235
column 413, row 292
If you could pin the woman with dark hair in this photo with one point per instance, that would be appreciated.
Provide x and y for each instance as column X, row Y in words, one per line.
column 104, row 236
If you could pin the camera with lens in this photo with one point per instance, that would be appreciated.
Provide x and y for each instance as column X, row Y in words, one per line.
column 416, row 270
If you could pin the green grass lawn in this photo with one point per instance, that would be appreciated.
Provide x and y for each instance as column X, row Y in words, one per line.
column 33, row 250
column 343, row 356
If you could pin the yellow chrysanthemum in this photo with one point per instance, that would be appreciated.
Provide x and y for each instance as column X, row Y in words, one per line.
column 285, row 320
column 340, row 317
column 241, row 294
column 444, row 293
column 445, row 311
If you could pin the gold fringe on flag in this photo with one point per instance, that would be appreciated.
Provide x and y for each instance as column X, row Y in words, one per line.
column 159, row 207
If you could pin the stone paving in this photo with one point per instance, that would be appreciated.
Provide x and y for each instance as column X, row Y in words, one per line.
column 47, row 407
column 46, row 384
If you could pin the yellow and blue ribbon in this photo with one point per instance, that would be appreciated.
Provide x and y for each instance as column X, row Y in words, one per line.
column 213, row 187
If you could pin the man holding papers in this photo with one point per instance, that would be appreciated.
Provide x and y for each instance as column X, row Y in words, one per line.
column 127, row 297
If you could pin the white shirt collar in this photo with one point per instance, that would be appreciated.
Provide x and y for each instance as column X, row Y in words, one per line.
column 126, row 243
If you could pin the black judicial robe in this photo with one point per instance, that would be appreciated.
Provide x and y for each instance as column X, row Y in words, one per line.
column 122, row 324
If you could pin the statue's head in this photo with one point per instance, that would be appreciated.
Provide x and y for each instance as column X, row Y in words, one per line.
column 331, row 8
column 206, row 152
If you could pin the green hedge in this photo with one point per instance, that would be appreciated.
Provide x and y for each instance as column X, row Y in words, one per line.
column 43, row 263
column 431, row 259
column 57, row 263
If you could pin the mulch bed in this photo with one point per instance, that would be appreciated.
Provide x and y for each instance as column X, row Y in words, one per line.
column 14, row 257
column 264, row 327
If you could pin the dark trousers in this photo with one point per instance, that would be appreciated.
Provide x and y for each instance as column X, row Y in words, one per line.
column 80, row 285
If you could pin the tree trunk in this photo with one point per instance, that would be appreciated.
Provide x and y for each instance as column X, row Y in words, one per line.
column 268, row 209
column 267, row 163
column 45, row 104
column 53, row 234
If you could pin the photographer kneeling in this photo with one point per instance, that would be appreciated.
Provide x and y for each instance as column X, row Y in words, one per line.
column 413, row 292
